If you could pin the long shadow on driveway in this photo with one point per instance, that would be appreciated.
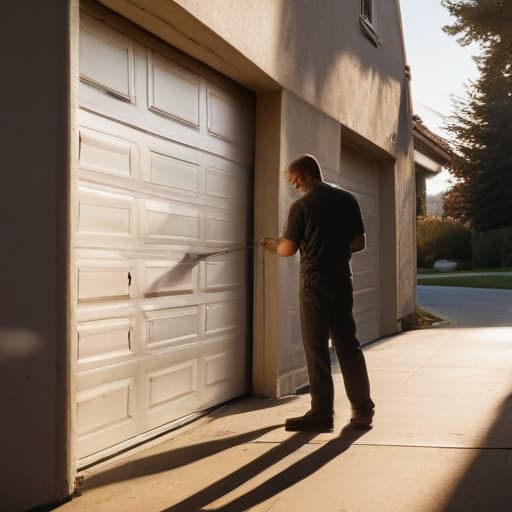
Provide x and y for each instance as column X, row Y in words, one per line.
column 486, row 484
column 274, row 485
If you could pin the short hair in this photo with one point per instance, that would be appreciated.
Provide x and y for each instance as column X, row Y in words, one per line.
column 306, row 164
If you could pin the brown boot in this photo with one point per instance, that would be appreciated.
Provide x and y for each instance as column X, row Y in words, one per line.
column 361, row 421
column 310, row 422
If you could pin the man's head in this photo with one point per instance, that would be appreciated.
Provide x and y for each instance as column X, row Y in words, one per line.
column 304, row 172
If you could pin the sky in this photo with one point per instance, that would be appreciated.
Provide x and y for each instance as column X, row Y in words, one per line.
column 439, row 66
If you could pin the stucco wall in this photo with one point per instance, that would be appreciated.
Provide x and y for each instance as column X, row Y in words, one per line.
column 317, row 50
column 33, row 355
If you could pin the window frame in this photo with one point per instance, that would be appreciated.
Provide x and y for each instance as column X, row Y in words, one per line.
column 366, row 22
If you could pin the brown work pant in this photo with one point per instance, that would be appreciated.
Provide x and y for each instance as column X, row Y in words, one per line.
column 326, row 311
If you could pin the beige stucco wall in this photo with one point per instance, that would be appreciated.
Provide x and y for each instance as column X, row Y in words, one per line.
column 34, row 373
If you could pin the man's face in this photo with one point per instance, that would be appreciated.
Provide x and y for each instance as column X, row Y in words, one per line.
column 293, row 178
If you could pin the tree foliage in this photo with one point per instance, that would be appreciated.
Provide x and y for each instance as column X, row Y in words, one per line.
column 454, row 203
column 481, row 125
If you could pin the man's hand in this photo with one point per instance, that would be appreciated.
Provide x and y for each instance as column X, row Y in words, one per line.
column 358, row 243
column 270, row 244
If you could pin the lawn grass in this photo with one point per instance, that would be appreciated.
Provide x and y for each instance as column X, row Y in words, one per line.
column 497, row 282
column 421, row 271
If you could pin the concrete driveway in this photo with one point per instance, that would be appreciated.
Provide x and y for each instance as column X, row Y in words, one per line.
column 468, row 306
column 442, row 442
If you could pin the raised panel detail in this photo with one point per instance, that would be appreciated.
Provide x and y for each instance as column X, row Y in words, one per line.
column 106, row 60
column 104, row 406
column 225, row 184
column 168, row 277
column 225, row 228
column 217, row 369
column 221, row 318
column 104, row 153
column 167, row 221
column 173, row 91
column 221, row 274
column 173, row 172
column 102, row 280
column 172, row 384
column 102, row 340
column 104, row 214
column 170, row 327
column 224, row 116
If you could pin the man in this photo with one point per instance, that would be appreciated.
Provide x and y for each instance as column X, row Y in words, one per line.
column 325, row 224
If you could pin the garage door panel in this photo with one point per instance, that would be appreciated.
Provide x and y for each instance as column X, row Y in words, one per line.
column 104, row 280
column 168, row 385
column 227, row 184
column 171, row 327
column 367, row 320
column 107, row 61
column 365, row 299
column 365, row 280
column 102, row 213
column 173, row 173
column 222, row 318
column 224, row 115
column 105, row 408
column 105, row 341
column 173, row 90
column 168, row 222
column 105, row 153
column 363, row 260
column 163, row 277
column 221, row 273
column 223, row 367
column 226, row 227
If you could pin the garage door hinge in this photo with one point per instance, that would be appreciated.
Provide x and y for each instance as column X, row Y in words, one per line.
column 77, row 491
column 129, row 278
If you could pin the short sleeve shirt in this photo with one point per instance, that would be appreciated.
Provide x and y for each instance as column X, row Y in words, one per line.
column 323, row 224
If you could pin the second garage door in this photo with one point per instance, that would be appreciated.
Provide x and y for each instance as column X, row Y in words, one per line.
column 164, row 176
column 360, row 175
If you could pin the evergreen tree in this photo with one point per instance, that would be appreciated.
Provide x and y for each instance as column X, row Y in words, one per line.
column 482, row 125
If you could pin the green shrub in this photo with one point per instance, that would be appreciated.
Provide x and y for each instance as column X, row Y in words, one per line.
column 442, row 239
column 492, row 248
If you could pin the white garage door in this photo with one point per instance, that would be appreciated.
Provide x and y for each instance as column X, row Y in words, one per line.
column 360, row 175
column 164, row 172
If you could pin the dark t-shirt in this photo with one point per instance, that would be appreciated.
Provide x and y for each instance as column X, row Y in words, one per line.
column 323, row 223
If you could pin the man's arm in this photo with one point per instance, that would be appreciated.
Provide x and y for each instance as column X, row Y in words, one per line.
column 281, row 246
column 358, row 243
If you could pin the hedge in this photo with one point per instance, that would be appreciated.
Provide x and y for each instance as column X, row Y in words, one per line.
column 442, row 239
column 492, row 248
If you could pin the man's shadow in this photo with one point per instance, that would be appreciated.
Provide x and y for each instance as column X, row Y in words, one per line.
column 274, row 485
